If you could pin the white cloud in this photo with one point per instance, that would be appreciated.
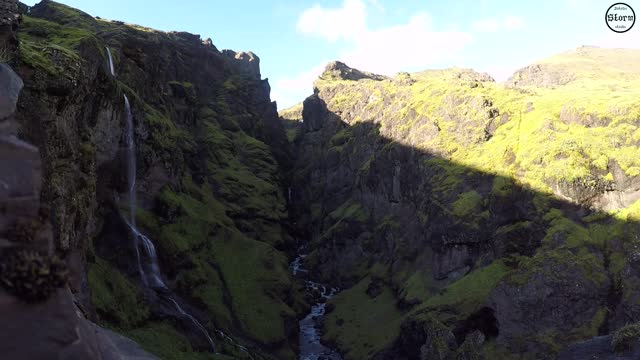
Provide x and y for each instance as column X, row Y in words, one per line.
column 289, row 91
column 628, row 40
column 405, row 47
column 377, row 5
column 502, row 73
column 512, row 22
column 497, row 24
column 346, row 22
column 486, row 25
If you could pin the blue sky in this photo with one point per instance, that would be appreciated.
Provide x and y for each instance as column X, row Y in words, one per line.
column 296, row 38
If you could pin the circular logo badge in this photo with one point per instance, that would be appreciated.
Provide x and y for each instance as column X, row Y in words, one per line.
column 620, row 17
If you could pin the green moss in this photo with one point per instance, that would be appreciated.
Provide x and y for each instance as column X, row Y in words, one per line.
column 416, row 288
column 184, row 84
column 166, row 137
column 573, row 234
column 254, row 272
column 521, row 225
column 551, row 265
column 467, row 204
column 163, row 340
column 54, row 48
column 341, row 137
column 591, row 329
column 349, row 211
column 355, row 324
column 502, row 186
column 469, row 293
column 491, row 350
column 115, row 298
column 550, row 340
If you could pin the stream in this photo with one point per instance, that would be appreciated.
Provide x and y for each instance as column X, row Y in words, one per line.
column 310, row 346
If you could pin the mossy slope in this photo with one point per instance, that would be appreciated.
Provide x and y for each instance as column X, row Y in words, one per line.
column 476, row 195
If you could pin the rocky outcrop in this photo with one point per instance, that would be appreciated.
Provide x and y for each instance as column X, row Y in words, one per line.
column 250, row 62
column 337, row 70
column 541, row 75
column 552, row 296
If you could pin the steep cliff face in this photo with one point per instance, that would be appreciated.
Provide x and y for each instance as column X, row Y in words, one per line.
column 466, row 218
column 211, row 154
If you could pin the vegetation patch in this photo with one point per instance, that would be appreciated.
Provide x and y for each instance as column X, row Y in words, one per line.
column 356, row 324
column 115, row 298
column 469, row 293
column 163, row 340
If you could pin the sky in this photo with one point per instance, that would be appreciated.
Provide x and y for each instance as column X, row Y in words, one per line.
column 295, row 39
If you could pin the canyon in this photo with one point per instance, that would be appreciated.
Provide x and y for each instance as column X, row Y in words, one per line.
column 156, row 204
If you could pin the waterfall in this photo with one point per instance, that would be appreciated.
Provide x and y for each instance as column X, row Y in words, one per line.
column 113, row 73
column 131, row 178
column 131, row 160
column 148, row 265
column 194, row 321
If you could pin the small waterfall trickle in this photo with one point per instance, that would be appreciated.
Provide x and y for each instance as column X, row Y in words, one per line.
column 194, row 321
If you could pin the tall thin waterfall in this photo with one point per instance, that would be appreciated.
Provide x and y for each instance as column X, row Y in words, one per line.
column 113, row 73
column 131, row 160
column 148, row 264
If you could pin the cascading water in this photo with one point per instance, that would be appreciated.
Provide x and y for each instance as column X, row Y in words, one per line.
column 148, row 265
column 111, row 68
column 310, row 346
column 195, row 322
column 131, row 178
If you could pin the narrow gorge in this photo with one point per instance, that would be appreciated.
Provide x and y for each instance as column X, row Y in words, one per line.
column 156, row 204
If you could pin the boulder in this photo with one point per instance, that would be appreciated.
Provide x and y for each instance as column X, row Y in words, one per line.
column 10, row 86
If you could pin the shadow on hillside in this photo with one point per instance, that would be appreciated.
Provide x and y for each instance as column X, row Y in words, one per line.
column 472, row 250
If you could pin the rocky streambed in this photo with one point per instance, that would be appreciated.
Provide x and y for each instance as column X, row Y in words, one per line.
column 311, row 347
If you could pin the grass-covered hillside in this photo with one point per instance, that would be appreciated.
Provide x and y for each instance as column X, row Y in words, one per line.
column 447, row 205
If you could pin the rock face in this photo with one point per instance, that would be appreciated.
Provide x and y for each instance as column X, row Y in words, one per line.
column 211, row 158
column 9, row 18
column 40, row 319
column 426, row 183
